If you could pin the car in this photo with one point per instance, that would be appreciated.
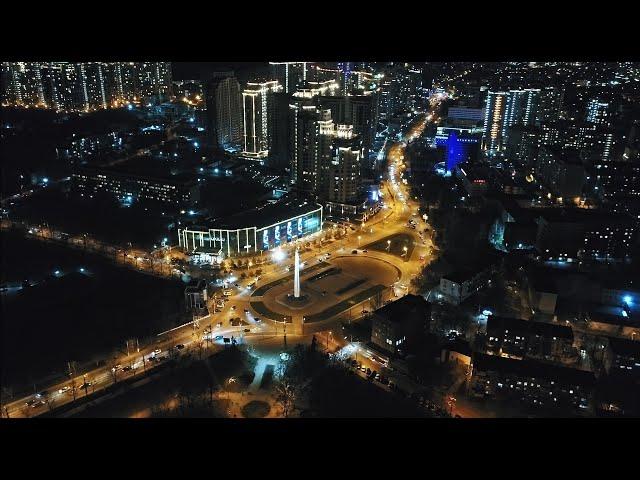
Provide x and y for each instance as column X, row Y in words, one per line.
column 247, row 330
column 233, row 307
column 368, row 371
column 156, row 351
column 257, row 319
column 42, row 394
column 246, row 310
column 219, row 324
column 251, row 285
column 127, row 368
column 31, row 403
column 377, row 377
column 365, row 251
column 180, row 346
column 64, row 389
column 354, row 251
column 151, row 358
column 85, row 385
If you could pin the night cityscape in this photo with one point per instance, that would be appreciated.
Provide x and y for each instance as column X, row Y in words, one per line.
column 318, row 240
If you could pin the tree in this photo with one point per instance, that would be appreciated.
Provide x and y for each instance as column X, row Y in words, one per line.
column 286, row 396
column 48, row 399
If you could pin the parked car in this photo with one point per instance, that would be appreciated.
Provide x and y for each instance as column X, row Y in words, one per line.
column 156, row 351
column 218, row 337
column 257, row 319
column 180, row 346
column 247, row 330
column 64, row 389
column 127, row 368
column 354, row 251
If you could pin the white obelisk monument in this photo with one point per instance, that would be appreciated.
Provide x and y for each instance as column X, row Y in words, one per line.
column 296, row 276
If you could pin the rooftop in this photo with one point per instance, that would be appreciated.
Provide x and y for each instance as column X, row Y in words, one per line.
column 532, row 369
column 264, row 216
column 537, row 328
column 400, row 309
column 625, row 347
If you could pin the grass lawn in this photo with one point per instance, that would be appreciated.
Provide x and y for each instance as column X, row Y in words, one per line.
column 398, row 242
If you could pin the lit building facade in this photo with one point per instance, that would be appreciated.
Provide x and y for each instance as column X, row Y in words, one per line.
column 257, row 110
column 75, row 87
column 128, row 187
column 255, row 231
column 504, row 109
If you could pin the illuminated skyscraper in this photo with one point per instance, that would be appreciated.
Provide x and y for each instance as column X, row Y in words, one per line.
column 257, row 110
column 85, row 86
column 224, row 109
column 289, row 74
column 504, row 109
column 344, row 172
column 312, row 131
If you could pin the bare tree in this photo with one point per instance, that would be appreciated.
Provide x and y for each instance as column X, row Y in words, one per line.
column 285, row 396
column 48, row 399
column 6, row 395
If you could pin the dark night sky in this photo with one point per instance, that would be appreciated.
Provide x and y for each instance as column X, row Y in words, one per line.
column 202, row 70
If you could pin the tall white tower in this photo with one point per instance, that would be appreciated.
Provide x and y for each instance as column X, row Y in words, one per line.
column 296, row 276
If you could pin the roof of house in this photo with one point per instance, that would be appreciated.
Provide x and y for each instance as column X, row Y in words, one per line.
column 401, row 309
column 496, row 323
column 625, row 347
column 532, row 369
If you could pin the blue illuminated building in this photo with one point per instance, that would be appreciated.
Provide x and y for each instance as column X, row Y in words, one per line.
column 458, row 148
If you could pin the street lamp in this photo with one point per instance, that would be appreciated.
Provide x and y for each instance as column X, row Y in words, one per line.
column 405, row 251
column 388, row 245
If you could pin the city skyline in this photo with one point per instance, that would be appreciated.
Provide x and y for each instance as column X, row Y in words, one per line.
column 296, row 239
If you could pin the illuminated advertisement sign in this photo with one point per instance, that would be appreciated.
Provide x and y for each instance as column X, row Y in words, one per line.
column 265, row 239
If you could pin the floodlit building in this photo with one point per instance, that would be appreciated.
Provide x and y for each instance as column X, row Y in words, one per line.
column 255, row 231
column 257, row 112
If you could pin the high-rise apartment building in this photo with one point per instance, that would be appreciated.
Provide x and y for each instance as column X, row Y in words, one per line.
column 289, row 74
column 504, row 109
column 344, row 172
column 312, row 131
column 84, row 86
column 224, row 110
column 257, row 112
